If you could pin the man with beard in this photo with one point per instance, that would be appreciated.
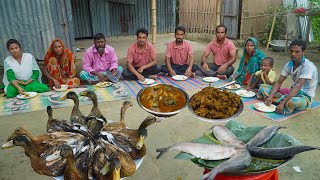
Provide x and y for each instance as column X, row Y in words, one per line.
column 224, row 55
column 100, row 62
column 141, row 59
column 179, row 56
column 305, row 81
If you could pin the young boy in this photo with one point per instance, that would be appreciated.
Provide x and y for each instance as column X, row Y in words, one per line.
column 266, row 74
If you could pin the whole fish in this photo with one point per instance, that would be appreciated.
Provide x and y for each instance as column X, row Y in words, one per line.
column 240, row 160
column 225, row 136
column 279, row 153
column 263, row 136
column 199, row 150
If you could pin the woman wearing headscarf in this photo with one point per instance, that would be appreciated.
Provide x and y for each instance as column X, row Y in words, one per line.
column 59, row 65
column 249, row 62
column 21, row 72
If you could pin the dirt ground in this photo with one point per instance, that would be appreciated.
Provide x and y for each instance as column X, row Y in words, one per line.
column 182, row 127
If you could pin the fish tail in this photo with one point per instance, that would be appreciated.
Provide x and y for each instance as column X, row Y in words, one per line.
column 161, row 152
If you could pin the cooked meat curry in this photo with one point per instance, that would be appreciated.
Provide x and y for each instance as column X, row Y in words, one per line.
column 163, row 98
column 212, row 103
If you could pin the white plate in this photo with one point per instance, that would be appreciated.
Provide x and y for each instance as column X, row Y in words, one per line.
column 261, row 106
column 245, row 93
column 233, row 86
column 147, row 81
column 30, row 95
column 63, row 88
column 138, row 162
column 104, row 84
column 210, row 79
column 179, row 77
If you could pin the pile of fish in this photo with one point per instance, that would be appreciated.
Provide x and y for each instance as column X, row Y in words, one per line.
column 86, row 147
column 238, row 153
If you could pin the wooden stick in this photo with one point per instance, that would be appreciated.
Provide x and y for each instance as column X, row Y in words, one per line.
column 270, row 35
column 154, row 21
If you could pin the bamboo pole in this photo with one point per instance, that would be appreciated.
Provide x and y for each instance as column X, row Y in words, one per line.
column 154, row 21
column 242, row 20
column 270, row 35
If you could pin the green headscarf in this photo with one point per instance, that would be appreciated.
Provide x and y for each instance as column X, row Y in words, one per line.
column 253, row 63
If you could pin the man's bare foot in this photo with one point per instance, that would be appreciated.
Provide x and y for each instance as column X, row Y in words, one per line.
column 223, row 77
column 153, row 77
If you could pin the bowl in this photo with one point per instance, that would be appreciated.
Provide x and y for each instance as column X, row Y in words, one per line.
column 240, row 109
column 161, row 114
column 279, row 45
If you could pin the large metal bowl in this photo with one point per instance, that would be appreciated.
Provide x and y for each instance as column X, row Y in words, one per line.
column 240, row 109
column 161, row 114
column 279, row 45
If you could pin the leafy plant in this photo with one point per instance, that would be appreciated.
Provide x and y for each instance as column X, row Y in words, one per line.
column 279, row 29
column 315, row 22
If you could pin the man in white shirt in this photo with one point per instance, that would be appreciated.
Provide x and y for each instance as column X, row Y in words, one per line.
column 305, row 80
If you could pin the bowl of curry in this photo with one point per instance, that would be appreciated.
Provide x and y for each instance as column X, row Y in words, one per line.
column 215, row 105
column 162, row 100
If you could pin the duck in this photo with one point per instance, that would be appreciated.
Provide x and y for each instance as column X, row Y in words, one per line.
column 38, row 164
column 122, row 125
column 135, row 138
column 54, row 125
column 95, row 111
column 77, row 167
column 106, row 168
column 46, row 141
column 128, row 166
column 76, row 115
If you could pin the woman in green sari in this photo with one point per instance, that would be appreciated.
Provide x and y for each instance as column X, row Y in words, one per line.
column 21, row 72
column 249, row 62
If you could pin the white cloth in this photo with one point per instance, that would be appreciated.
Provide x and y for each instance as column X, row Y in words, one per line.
column 306, row 70
column 21, row 71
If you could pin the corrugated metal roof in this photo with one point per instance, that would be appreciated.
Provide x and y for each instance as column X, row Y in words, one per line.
column 35, row 23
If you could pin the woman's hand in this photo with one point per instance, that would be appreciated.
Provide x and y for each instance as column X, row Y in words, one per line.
column 57, row 84
column 21, row 82
column 21, row 91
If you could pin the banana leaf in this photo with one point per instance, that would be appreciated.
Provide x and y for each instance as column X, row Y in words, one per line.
column 244, row 134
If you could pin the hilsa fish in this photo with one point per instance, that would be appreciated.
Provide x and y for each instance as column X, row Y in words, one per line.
column 240, row 160
column 279, row 153
column 226, row 137
column 263, row 136
column 199, row 150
